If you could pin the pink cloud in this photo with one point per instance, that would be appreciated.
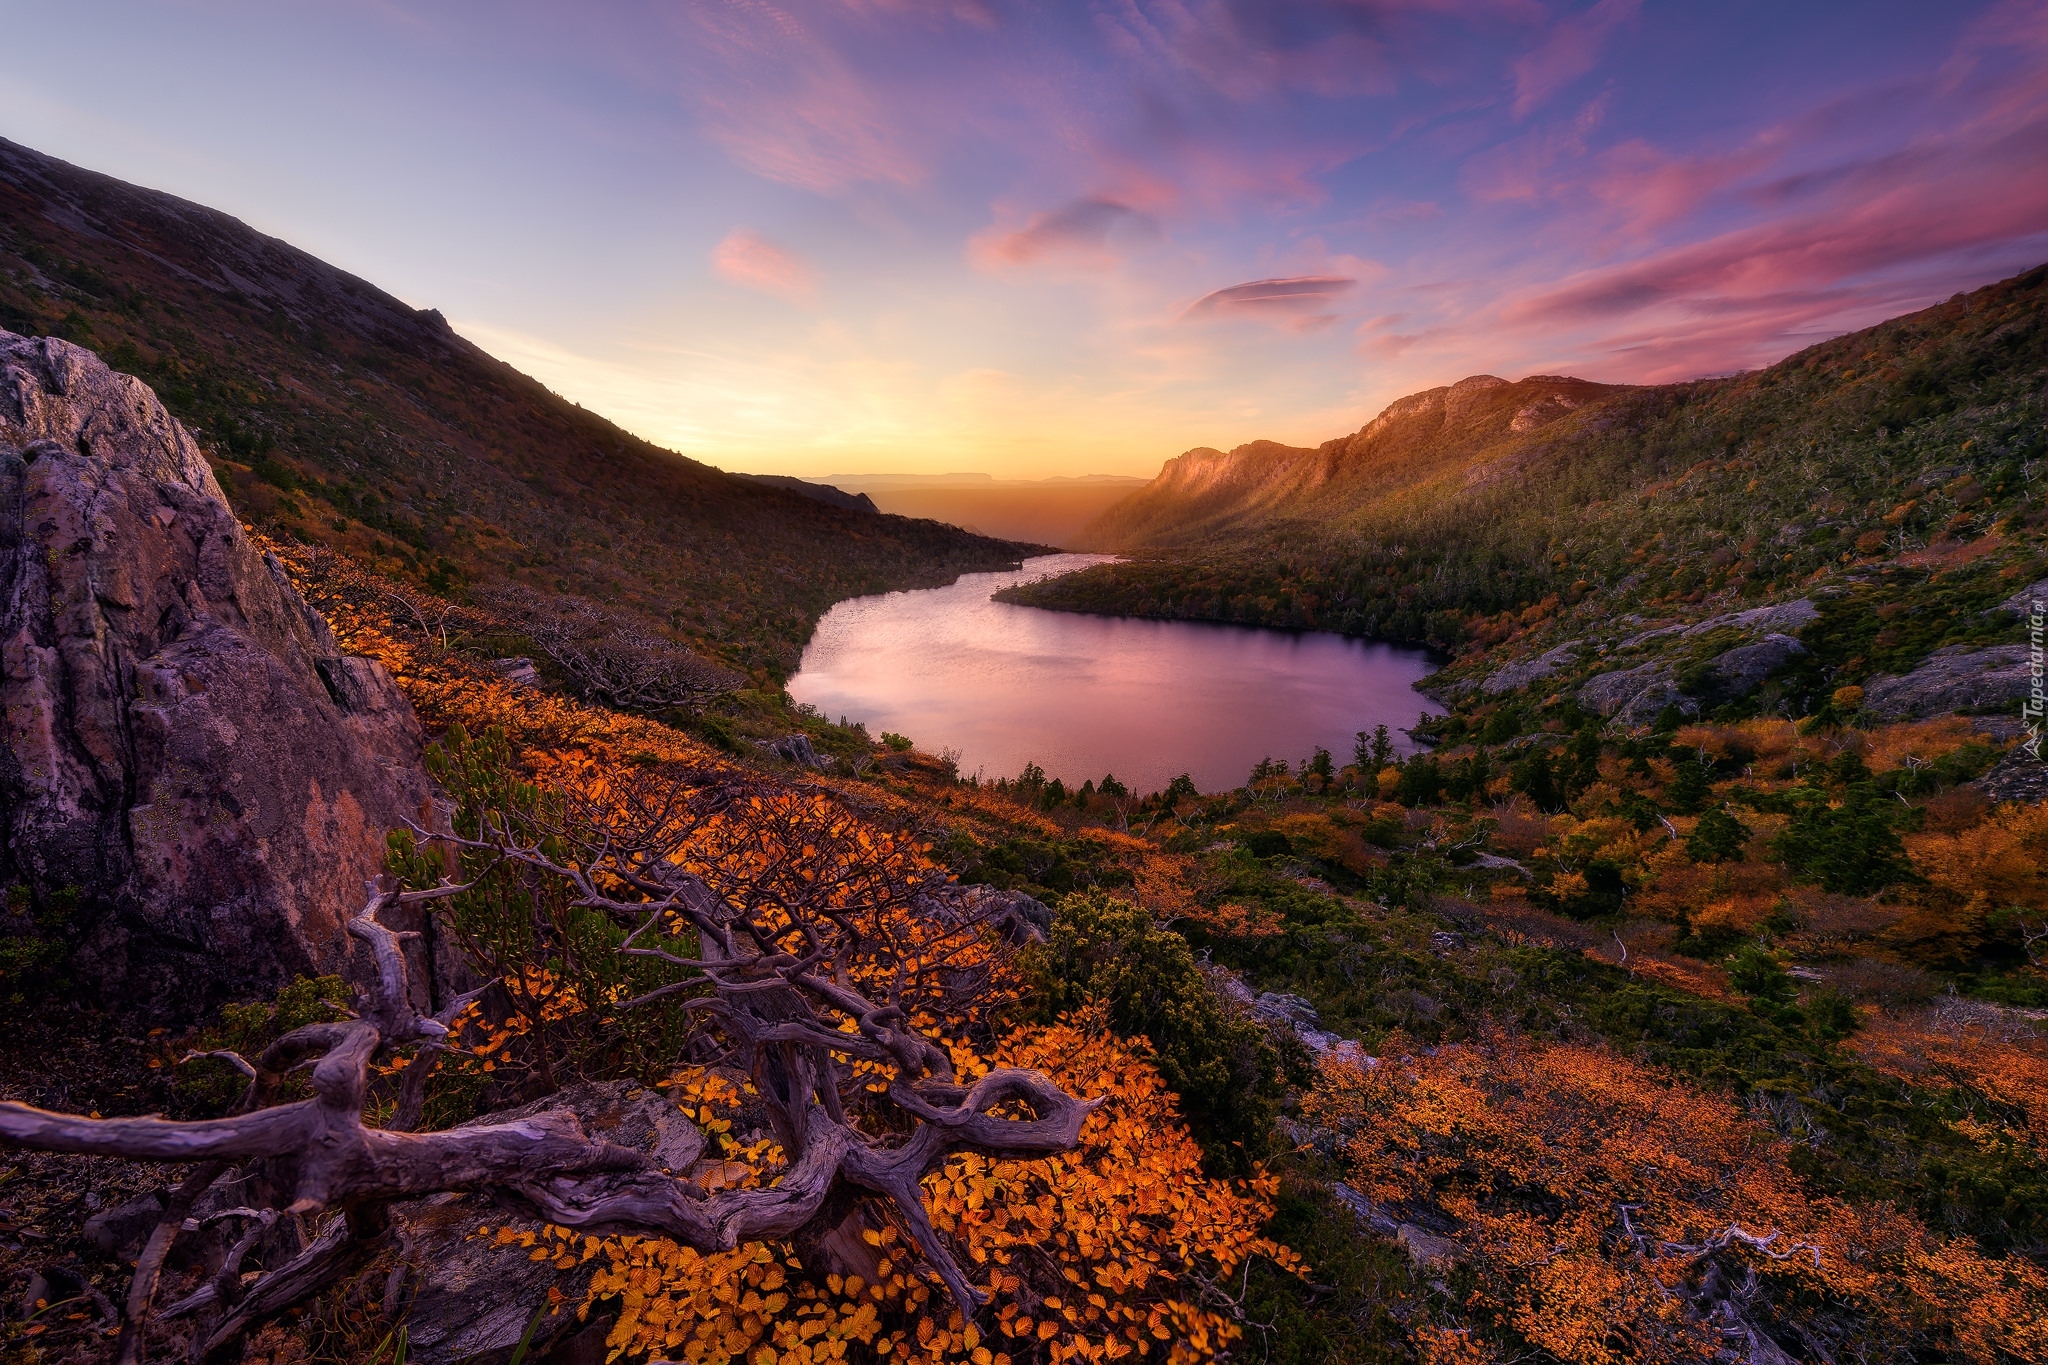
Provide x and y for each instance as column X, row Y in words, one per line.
column 1534, row 166
column 1572, row 50
column 749, row 260
column 1647, row 189
column 1631, row 189
column 1872, row 240
column 1075, row 233
column 1299, row 303
column 788, row 106
column 1999, row 198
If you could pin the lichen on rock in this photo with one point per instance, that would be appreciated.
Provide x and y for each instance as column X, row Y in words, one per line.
column 184, row 739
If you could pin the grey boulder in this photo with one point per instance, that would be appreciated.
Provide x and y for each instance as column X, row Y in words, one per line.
column 119, row 1232
column 1959, row 678
column 2021, row 776
column 470, row 1299
column 2027, row 601
column 184, row 740
column 519, row 671
column 1022, row 918
column 1635, row 696
column 1791, row 616
column 1525, row 671
column 797, row 749
column 1740, row 671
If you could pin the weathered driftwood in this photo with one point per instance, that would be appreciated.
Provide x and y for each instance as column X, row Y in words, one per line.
column 777, row 987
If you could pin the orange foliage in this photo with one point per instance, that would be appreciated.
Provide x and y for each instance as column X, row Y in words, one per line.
column 1735, row 895
column 2003, row 859
column 1991, row 1051
column 1999, row 864
column 446, row 688
column 1892, row 746
column 1318, row 835
column 1770, row 749
column 1161, row 882
column 1103, row 1253
column 1232, row 920
column 1597, row 1203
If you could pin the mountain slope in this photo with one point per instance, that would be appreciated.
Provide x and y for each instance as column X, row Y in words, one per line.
column 1205, row 493
column 1050, row 510
column 821, row 492
column 1909, row 452
column 334, row 413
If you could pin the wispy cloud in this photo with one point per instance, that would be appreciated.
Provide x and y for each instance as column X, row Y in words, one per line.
column 1299, row 303
column 749, row 260
column 1026, row 207
column 1076, row 232
column 782, row 98
column 1571, row 51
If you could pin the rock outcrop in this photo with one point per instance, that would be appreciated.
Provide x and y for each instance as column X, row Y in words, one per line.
column 1021, row 918
column 2021, row 776
column 1522, row 672
column 184, row 740
column 796, row 749
column 2028, row 600
column 1958, row 678
column 1792, row 616
column 469, row 1298
column 1636, row 696
column 1740, row 671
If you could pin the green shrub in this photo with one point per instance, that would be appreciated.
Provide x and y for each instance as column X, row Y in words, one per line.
column 1845, row 838
column 212, row 1084
column 1265, row 843
column 1690, row 788
column 35, row 946
column 1755, row 971
column 1226, row 1067
column 1717, row 838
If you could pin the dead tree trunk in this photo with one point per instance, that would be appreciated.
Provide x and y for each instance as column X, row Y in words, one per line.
column 777, row 990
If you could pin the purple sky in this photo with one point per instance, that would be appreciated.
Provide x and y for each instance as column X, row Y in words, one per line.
column 1036, row 239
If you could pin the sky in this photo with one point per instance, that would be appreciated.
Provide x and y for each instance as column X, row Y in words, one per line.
column 1040, row 239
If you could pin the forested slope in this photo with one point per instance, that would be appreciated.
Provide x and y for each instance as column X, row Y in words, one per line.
column 1566, row 1040
column 1872, row 445
column 334, row 413
column 1208, row 495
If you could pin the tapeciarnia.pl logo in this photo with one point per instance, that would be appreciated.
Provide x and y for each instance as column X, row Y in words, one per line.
column 2031, row 709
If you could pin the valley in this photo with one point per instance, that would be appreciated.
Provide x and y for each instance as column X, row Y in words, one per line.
column 527, row 868
column 1042, row 511
column 348, row 419
column 1089, row 699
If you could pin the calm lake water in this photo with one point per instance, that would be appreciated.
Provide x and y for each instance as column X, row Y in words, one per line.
column 1086, row 695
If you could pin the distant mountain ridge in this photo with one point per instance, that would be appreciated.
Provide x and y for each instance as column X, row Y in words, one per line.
column 332, row 412
column 1206, row 492
column 1049, row 511
column 820, row 492
column 1907, row 455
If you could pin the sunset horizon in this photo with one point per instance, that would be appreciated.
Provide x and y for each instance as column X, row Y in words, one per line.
column 1024, row 682
column 901, row 238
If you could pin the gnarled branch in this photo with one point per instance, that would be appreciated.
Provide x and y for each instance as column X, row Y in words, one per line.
column 795, row 988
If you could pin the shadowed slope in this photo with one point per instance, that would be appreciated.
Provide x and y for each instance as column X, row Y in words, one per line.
column 1905, row 446
column 335, row 413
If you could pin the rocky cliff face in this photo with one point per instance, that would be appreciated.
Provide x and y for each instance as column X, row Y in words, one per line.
column 184, row 740
column 1464, row 427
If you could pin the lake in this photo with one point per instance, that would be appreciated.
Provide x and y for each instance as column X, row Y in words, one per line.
column 1082, row 696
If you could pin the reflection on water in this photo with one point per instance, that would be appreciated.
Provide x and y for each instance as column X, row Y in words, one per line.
column 1086, row 695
